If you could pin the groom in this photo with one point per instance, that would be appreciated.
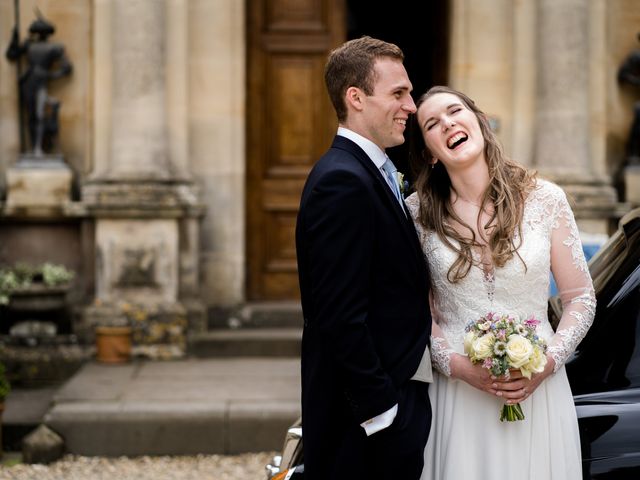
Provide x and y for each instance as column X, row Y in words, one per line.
column 364, row 283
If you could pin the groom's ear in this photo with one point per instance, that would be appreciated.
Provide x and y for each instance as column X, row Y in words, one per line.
column 354, row 97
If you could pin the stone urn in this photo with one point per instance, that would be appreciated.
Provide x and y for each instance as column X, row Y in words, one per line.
column 38, row 297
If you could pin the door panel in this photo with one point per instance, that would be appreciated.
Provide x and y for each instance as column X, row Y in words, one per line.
column 290, row 124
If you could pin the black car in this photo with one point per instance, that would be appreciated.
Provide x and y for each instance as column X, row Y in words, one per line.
column 604, row 371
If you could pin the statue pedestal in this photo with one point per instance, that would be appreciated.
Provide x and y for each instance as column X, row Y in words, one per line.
column 146, row 242
column 632, row 184
column 43, row 181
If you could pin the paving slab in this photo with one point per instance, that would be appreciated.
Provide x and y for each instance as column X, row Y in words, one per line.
column 25, row 409
column 27, row 406
column 181, row 407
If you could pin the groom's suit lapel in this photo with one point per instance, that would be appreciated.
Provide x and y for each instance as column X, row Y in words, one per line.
column 403, row 218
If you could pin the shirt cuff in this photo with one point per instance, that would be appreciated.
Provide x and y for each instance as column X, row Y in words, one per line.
column 380, row 422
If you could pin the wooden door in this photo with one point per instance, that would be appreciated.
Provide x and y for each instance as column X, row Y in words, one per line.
column 290, row 124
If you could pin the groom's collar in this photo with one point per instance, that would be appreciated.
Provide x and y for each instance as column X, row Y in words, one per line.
column 377, row 156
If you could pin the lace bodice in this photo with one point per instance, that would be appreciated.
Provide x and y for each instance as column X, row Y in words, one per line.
column 550, row 243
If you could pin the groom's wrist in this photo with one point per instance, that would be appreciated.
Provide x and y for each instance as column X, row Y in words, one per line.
column 380, row 422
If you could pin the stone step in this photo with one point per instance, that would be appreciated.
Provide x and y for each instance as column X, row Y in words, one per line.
column 24, row 410
column 246, row 342
column 186, row 407
column 259, row 315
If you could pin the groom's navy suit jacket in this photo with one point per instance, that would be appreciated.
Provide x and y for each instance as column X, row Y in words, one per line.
column 364, row 286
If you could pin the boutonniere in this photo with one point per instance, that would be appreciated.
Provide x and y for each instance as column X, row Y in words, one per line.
column 402, row 183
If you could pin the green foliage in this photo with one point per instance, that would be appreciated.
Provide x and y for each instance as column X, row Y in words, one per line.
column 22, row 275
column 8, row 283
column 53, row 275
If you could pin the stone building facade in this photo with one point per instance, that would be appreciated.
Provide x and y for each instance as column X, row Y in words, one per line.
column 189, row 125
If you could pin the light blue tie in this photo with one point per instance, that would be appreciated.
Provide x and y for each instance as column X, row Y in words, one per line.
column 391, row 172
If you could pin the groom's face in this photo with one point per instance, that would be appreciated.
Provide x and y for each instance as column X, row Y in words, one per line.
column 386, row 111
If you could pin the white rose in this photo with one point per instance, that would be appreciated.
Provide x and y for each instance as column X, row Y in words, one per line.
column 519, row 350
column 535, row 364
column 468, row 342
column 483, row 346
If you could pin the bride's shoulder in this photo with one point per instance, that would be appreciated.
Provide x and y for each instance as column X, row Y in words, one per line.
column 546, row 191
column 413, row 202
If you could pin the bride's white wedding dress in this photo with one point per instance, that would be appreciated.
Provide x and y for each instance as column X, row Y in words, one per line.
column 467, row 439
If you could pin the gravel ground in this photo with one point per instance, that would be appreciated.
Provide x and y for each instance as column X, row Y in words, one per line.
column 249, row 466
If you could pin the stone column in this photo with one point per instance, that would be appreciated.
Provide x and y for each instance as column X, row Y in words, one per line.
column 138, row 121
column 145, row 204
column 563, row 150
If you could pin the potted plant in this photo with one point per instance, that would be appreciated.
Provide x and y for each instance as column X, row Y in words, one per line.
column 41, row 287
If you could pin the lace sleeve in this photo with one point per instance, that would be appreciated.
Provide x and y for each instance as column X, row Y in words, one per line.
column 440, row 349
column 571, row 273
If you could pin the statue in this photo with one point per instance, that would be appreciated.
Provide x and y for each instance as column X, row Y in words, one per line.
column 630, row 73
column 45, row 61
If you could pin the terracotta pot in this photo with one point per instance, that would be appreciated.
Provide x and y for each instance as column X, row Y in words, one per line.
column 113, row 344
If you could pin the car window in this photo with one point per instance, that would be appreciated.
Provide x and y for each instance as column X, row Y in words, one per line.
column 626, row 303
column 606, row 261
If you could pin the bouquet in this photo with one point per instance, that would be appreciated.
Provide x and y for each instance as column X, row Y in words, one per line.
column 502, row 342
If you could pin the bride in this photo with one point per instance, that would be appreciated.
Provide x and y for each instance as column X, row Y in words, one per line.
column 491, row 233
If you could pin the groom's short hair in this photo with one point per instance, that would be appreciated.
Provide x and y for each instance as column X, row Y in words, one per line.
column 351, row 65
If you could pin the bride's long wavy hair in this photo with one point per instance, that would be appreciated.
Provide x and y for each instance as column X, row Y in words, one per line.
column 509, row 185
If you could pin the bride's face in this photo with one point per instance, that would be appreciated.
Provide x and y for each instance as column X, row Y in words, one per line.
column 451, row 131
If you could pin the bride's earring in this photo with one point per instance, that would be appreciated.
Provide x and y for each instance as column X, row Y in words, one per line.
column 433, row 163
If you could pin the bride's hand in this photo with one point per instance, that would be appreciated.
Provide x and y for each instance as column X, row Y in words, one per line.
column 518, row 388
column 473, row 374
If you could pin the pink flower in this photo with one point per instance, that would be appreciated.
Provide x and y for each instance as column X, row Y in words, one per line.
column 531, row 322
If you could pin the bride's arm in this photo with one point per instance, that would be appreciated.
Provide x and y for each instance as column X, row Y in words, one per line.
column 455, row 365
column 441, row 352
column 571, row 273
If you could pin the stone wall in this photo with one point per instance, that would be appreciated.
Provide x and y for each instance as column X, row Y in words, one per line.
column 196, row 57
column 546, row 73
column 115, row 128
column 216, row 112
